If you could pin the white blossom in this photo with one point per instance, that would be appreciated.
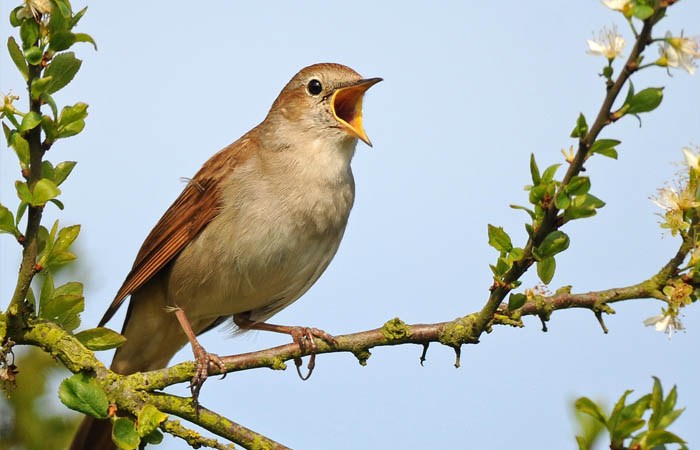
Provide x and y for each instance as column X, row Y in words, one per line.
column 617, row 5
column 608, row 44
column 679, row 52
column 691, row 159
column 666, row 323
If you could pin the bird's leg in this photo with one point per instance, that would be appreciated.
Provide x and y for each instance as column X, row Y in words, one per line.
column 201, row 356
column 302, row 336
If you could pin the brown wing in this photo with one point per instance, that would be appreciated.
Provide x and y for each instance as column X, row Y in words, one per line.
column 196, row 206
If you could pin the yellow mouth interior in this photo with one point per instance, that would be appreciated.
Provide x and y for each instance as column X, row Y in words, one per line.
column 347, row 109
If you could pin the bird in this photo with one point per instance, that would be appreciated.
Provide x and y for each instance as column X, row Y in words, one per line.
column 250, row 233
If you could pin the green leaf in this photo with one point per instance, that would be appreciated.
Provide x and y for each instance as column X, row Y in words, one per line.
column 21, row 147
column 82, row 37
column 642, row 12
column 58, row 203
column 578, row 185
column 60, row 259
column 589, row 407
column 516, row 301
column 47, row 170
column 626, row 427
column 73, row 113
column 29, row 33
column 71, row 129
column 82, row 393
column 581, row 127
column 154, row 438
column 637, row 409
column 21, row 209
column 66, row 237
column 647, row 100
column 58, row 22
column 44, row 190
column 149, row 420
column 49, row 127
column 670, row 417
column 124, row 434
column 77, row 16
column 499, row 239
column 98, row 339
column 30, row 121
column 555, row 242
column 39, row 86
column 657, row 438
column 64, row 9
column 548, row 174
column 61, row 40
column 33, row 55
column 537, row 194
column 18, row 57
column 46, row 294
column 583, row 206
column 670, row 401
column 46, row 98
column 62, row 170
column 656, row 403
column 62, row 70
column 14, row 21
column 562, row 199
column 546, row 268
column 23, row 192
column 617, row 415
column 530, row 212
column 605, row 147
column 7, row 222
column 65, row 306
column 534, row 171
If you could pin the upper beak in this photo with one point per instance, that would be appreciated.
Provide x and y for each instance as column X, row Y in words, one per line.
column 346, row 105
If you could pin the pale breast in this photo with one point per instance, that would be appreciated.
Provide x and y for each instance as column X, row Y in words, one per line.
column 275, row 235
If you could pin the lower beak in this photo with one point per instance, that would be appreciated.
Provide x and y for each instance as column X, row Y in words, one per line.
column 346, row 105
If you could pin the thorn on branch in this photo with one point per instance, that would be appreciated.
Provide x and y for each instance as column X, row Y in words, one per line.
column 424, row 355
column 458, row 354
column 599, row 316
column 543, row 319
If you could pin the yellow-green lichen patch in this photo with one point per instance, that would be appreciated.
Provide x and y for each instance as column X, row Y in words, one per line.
column 278, row 364
column 459, row 331
column 544, row 308
column 3, row 327
column 502, row 319
column 395, row 330
column 603, row 308
column 259, row 444
column 362, row 356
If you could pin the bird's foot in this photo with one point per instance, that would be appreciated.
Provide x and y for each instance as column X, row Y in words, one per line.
column 304, row 338
column 202, row 357
column 203, row 360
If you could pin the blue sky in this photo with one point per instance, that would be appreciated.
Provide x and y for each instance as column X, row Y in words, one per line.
column 470, row 90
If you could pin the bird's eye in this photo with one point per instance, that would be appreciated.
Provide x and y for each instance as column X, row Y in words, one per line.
column 314, row 87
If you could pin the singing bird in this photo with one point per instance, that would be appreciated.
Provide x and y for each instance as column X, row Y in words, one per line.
column 250, row 233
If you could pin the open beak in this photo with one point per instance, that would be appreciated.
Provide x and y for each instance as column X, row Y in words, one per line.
column 346, row 105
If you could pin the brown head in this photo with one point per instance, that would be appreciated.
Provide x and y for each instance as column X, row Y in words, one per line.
column 323, row 99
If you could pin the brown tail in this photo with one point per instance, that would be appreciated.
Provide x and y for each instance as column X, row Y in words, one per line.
column 152, row 338
column 93, row 434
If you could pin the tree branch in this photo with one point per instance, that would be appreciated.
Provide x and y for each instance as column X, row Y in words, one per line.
column 550, row 222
